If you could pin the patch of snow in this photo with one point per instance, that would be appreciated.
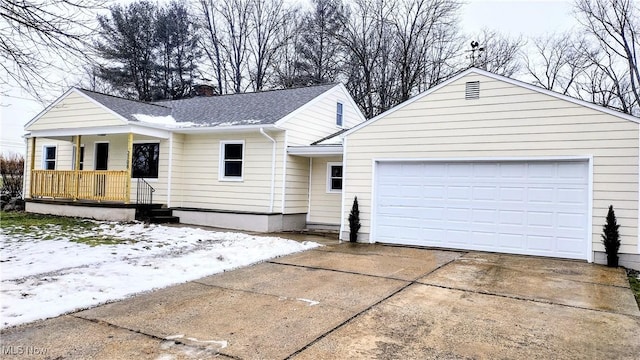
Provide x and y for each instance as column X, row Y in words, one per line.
column 239, row 122
column 221, row 343
column 310, row 302
column 46, row 278
column 167, row 121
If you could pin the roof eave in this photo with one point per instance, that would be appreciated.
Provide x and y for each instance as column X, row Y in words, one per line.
column 222, row 129
column 315, row 150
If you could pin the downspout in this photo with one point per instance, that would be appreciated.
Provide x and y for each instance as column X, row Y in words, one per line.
column 273, row 168
column 170, row 169
column 25, row 174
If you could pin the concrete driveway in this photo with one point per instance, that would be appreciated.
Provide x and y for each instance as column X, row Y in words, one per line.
column 360, row 301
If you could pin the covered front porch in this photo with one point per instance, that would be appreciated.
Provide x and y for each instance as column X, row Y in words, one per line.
column 110, row 173
column 100, row 167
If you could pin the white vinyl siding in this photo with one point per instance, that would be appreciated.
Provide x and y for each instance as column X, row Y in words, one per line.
column 318, row 120
column 196, row 175
column 325, row 206
column 297, row 185
column 507, row 121
column 75, row 111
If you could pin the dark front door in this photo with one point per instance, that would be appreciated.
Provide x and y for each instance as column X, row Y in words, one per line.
column 102, row 158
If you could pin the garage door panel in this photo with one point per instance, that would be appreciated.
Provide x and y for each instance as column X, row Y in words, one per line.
column 541, row 244
column 540, row 195
column 457, row 237
column 486, row 239
column 571, row 196
column 537, row 208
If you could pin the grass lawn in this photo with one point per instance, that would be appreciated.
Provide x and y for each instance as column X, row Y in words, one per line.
column 50, row 227
column 634, row 281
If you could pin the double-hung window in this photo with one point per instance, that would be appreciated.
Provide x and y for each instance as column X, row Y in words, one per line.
column 145, row 160
column 339, row 114
column 49, row 158
column 334, row 177
column 81, row 158
column 231, row 160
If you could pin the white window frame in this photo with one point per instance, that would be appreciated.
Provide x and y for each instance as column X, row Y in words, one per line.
column 340, row 114
column 44, row 157
column 329, row 177
column 221, row 176
column 73, row 158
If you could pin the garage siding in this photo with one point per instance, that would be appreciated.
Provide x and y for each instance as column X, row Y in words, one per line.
column 507, row 121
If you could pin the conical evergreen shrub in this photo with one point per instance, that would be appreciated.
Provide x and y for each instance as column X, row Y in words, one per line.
column 611, row 238
column 354, row 221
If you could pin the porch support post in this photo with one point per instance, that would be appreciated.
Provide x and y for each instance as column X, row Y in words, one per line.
column 76, row 167
column 129, row 160
column 32, row 165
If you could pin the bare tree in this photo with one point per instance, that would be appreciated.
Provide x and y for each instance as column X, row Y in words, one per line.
column 235, row 24
column 363, row 33
column 615, row 25
column 40, row 36
column 556, row 62
column 287, row 71
column 268, row 18
column 211, row 42
column 419, row 24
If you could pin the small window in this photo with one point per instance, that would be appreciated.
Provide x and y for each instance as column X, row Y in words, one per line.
column 232, row 155
column 81, row 158
column 339, row 114
column 334, row 177
column 49, row 159
column 472, row 90
column 145, row 160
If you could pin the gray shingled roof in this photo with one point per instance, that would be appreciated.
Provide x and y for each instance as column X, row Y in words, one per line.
column 257, row 108
column 126, row 108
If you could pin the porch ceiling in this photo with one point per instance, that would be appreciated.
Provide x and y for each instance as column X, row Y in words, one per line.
column 315, row 150
column 105, row 130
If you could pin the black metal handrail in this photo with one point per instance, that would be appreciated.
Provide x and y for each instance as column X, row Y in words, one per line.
column 144, row 192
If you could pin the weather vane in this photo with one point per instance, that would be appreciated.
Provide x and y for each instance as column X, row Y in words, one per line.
column 475, row 53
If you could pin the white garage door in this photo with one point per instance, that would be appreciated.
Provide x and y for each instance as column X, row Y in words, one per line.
column 531, row 208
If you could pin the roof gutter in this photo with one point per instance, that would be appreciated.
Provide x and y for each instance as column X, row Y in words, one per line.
column 273, row 168
column 222, row 129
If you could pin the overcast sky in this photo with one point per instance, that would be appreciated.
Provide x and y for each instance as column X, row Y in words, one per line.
column 512, row 17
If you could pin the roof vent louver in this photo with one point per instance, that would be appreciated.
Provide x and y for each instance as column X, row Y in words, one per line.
column 472, row 90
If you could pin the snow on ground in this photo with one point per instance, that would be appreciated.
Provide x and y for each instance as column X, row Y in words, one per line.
column 45, row 278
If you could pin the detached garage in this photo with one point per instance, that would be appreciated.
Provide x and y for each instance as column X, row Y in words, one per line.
column 484, row 162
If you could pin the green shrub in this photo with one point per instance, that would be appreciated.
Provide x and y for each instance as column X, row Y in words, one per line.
column 611, row 238
column 354, row 221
